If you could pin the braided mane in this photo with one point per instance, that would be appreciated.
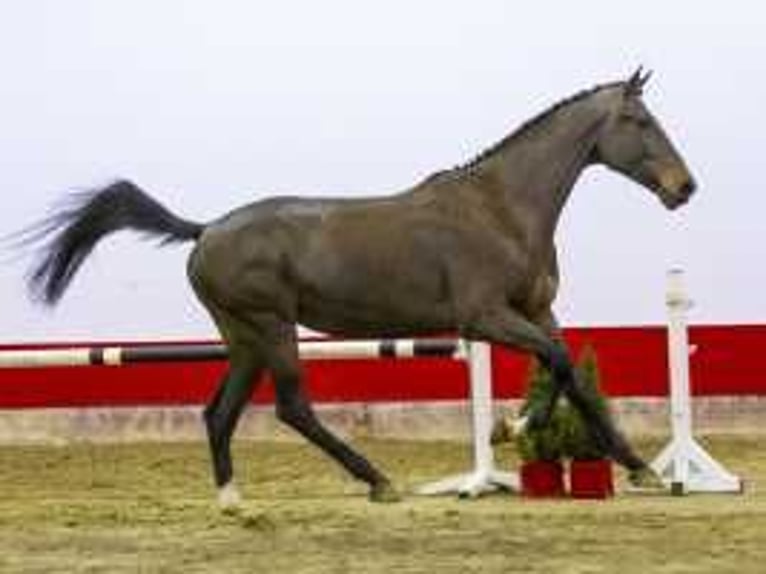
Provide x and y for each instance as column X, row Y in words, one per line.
column 524, row 128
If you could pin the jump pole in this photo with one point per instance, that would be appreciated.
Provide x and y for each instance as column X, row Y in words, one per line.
column 309, row 350
column 484, row 476
column 683, row 464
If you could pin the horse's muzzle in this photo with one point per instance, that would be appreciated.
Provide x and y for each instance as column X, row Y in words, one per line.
column 676, row 188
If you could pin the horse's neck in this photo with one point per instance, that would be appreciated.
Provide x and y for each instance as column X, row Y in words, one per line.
column 537, row 171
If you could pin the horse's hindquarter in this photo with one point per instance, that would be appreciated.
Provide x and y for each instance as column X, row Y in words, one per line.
column 245, row 261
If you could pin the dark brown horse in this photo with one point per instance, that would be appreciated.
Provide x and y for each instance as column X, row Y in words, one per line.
column 468, row 250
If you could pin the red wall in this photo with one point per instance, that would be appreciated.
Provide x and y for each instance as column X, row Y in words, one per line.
column 730, row 360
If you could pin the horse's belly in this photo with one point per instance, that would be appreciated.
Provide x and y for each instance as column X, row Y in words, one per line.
column 365, row 317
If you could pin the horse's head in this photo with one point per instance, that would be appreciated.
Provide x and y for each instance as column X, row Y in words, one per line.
column 633, row 143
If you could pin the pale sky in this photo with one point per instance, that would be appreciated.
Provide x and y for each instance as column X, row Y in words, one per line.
column 211, row 104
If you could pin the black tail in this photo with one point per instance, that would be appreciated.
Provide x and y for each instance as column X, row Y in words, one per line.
column 90, row 217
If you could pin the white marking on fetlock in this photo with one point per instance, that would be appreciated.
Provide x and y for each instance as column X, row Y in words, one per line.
column 520, row 425
column 229, row 496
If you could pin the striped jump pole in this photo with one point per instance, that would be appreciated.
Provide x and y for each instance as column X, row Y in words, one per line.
column 309, row 350
column 484, row 476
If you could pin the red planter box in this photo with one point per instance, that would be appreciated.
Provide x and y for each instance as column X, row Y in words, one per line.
column 542, row 479
column 591, row 479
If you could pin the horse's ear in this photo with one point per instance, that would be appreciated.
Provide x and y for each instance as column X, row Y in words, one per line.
column 635, row 84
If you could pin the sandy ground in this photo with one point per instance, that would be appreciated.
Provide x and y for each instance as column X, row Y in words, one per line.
column 149, row 508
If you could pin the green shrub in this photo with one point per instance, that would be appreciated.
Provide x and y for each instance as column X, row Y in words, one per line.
column 544, row 443
column 577, row 440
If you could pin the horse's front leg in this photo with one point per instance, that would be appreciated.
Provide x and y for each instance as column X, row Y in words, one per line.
column 509, row 328
column 538, row 418
column 506, row 428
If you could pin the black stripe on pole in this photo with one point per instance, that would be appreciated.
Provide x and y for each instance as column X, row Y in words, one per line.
column 387, row 349
column 436, row 347
column 96, row 356
column 174, row 353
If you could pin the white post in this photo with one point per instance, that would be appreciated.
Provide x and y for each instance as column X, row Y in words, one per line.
column 480, row 376
column 684, row 464
column 484, row 476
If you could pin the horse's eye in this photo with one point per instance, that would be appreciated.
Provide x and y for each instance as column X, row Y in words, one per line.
column 639, row 120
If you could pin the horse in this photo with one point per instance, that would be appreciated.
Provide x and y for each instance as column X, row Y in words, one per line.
column 468, row 250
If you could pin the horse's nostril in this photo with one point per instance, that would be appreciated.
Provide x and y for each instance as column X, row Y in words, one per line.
column 688, row 188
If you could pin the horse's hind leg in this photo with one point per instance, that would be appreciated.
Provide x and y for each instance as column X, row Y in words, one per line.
column 223, row 411
column 294, row 409
column 221, row 416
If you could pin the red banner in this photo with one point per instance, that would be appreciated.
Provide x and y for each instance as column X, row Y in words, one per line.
column 729, row 360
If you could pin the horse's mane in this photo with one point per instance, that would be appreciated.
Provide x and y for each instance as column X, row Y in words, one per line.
column 523, row 129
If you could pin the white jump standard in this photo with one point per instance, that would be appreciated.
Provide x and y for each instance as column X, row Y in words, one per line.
column 683, row 464
column 484, row 477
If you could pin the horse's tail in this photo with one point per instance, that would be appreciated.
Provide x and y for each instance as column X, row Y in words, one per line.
column 88, row 218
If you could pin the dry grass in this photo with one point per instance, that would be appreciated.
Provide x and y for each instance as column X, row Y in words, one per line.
column 149, row 508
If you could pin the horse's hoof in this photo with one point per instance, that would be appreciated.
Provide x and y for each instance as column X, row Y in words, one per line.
column 229, row 499
column 384, row 492
column 646, row 479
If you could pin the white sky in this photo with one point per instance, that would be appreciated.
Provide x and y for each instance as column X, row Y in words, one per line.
column 210, row 104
